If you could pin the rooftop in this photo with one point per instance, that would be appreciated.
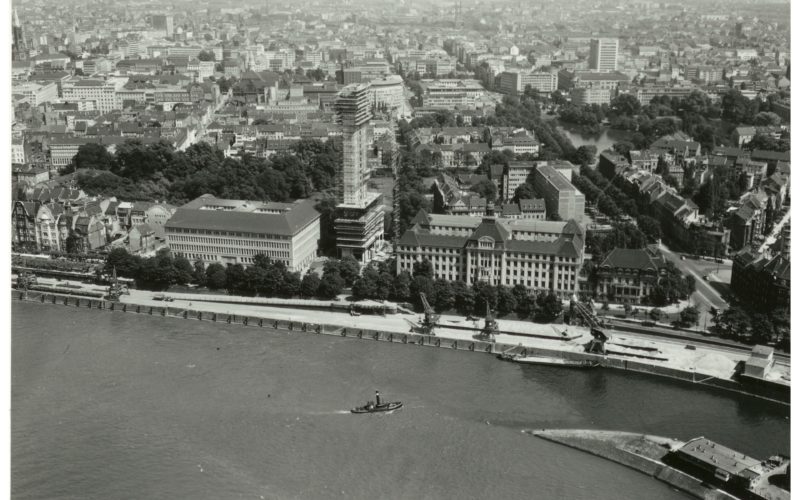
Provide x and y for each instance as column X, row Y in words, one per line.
column 210, row 213
column 718, row 456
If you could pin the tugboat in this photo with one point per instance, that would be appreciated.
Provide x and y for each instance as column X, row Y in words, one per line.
column 377, row 406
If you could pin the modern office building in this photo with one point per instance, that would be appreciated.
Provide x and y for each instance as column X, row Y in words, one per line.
column 234, row 231
column 387, row 92
column 19, row 49
column 359, row 212
column 515, row 82
column 542, row 255
column 164, row 22
column 560, row 196
column 603, row 54
column 100, row 95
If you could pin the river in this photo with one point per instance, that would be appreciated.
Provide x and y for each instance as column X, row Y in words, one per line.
column 111, row 405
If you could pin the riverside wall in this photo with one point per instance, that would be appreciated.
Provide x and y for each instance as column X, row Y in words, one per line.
column 764, row 390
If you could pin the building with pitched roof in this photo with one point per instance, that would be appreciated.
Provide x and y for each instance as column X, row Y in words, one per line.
column 212, row 229
column 629, row 275
column 761, row 281
column 541, row 255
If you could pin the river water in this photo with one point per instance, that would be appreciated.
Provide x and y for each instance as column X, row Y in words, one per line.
column 110, row 405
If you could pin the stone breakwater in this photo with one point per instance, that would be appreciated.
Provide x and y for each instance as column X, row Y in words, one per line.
column 640, row 452
column 463, row 341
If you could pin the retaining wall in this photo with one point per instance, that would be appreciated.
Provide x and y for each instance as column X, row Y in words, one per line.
column 759, row 390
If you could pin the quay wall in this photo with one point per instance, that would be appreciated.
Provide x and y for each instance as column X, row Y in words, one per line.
column 764, row 391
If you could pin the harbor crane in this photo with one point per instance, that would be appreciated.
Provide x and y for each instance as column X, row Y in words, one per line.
column 598, row 343
column 430, row 319
column 490, row 328
column 115, row 290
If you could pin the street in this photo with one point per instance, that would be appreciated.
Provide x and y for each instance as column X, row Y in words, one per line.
column 706, row 295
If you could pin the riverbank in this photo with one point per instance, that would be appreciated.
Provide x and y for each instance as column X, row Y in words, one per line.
column 702, row 365
column 640, row 452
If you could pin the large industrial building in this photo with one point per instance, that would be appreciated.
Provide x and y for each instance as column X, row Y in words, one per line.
column 359, row 212
column 542, row 255
column 211, row 229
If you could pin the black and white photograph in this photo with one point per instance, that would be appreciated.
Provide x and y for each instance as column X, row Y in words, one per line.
column 398, row 249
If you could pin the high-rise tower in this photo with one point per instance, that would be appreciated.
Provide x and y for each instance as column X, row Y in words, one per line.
column 603, row 54
column 19, row 50
column 359, row 212
column 353, row 113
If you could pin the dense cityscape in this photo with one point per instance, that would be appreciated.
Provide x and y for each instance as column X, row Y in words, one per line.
column 600, row 184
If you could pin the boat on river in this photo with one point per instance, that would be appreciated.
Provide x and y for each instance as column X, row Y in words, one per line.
column 377, row 406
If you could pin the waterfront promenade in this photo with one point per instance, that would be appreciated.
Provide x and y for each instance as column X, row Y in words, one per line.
column 705, row 364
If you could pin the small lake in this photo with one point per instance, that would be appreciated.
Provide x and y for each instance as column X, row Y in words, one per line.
column 602, row 141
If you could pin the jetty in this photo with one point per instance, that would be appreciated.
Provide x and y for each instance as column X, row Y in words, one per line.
column 699, row 467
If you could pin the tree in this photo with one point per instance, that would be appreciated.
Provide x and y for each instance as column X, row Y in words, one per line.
column 550, row 307
column 625, row 104
column 655, row 314
column 184, row 272
column 689, row 316
column 506, row 300
column 199, row 273
column 126, row 264
column 767, row 118
column 463, row 296
column 291, row 284
column 401, row 289
column 486, row 189
column 650, row 227
column 309, row 284
column 443, row 290
column 216, row 276
column 206, row 55
column 347, row 268
column 423, row 268
column 236, row 281
column 524, row 191
column 485, row 294
column 92, row 156
column 585, row 155
column 734, row 322
column 330, row 286
column 366, row 286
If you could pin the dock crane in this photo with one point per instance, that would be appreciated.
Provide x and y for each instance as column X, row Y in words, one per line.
column 430, row 319
column 600, row 337
column 115, row 290
column 490, row 328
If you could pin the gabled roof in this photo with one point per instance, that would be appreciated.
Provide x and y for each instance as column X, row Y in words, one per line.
column 630, row 258
column 492, row 228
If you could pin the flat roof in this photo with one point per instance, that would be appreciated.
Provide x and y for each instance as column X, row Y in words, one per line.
column 718, row 456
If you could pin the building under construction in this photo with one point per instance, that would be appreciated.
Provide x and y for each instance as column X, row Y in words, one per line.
column 359, row 212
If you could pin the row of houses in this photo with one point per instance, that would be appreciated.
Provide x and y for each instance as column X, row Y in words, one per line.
column 66, row 220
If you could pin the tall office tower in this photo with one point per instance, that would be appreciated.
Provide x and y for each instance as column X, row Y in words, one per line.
column 164, row 22
column 603, row 54
column 19, row 50
column 359, row 212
